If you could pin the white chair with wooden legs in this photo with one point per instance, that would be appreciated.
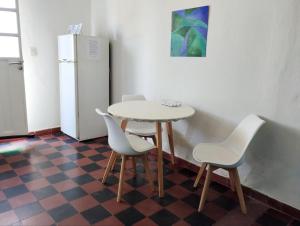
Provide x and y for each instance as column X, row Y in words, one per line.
column 126, row 145
column 142, row 129
column 148, row 129
column 227, row 155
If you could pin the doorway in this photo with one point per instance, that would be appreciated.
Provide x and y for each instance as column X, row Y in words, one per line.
column 13, row 117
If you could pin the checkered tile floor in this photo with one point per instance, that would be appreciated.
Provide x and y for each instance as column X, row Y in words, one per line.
column 56, row 183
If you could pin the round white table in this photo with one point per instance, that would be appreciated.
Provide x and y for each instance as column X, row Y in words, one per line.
column 151, row 111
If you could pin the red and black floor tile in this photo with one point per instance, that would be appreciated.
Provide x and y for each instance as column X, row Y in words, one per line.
column 56, row 182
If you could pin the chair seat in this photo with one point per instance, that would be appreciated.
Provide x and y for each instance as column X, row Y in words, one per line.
column 139, row 144
column 215, row 154
column 141, row 128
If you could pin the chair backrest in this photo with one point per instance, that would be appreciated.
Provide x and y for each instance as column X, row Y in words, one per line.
column 132, row 97
column 117, row 139
column 240, row 138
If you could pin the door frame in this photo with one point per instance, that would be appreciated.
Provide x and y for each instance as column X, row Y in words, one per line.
column 16, row 60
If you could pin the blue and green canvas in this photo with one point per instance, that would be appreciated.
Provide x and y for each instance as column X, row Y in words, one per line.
column 189, row 32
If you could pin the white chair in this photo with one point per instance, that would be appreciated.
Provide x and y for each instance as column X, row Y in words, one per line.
column 126, row 145
column 142, row 129
column 228, row 155
column 148, row 129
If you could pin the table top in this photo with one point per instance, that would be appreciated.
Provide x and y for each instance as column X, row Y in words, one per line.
column 149, row 111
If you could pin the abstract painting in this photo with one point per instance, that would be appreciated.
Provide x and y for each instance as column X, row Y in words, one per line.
column 189, row 32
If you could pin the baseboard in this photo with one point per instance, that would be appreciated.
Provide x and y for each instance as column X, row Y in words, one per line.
column 29, row 135
column 46, row 131
column 282, row 207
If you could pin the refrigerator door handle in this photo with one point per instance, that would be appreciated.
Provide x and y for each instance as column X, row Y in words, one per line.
column 66, row 61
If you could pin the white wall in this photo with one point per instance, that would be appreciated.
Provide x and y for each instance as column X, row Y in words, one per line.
column 252, row 66
column 41, row 22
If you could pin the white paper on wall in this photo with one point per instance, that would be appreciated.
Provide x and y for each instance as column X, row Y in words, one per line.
column 93, row 49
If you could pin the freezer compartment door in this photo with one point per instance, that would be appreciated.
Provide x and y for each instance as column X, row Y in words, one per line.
column 67, row 48
column 68, row 99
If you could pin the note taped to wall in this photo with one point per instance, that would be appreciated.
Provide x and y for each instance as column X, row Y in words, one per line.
column 93, row 49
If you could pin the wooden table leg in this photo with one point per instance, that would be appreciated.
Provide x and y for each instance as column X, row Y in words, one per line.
column 160, row 172
column 171, row 141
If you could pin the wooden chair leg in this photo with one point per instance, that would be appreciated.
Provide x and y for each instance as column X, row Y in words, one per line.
column 231, row 179
column 148, row 172
column 111, row 161
column 154, row 140
column 114, row 162
column 124, row 124
column 200, row 173
column 133, row 165
column 205, row 188
column 239, row 190
column 171, row 141
column 121, row 179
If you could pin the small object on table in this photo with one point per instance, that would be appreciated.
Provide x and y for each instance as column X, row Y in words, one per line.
column 171, row 103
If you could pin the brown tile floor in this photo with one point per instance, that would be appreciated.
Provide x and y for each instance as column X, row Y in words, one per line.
column 56, row 183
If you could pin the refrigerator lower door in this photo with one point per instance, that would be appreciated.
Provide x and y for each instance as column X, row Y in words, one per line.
column 68, row 99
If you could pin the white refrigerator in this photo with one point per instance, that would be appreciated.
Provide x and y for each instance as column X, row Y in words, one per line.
column 84, row 85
